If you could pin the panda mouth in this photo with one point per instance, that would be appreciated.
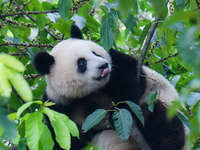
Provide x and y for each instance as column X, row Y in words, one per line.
column 104, row 74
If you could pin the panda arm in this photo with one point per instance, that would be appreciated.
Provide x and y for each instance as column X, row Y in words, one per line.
column 123, row 84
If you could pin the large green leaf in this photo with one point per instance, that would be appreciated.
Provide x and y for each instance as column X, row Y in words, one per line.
column 37, row 133
column 12, row 62
column 93, row 119
column 137, row 110
column 25, row 106
column 107, row 33
column 21, row 86
column 129, row 22
column 64, row 8
column 123, row 122
column 46, row 141
column 7, row 125
column 60, row 126
column 5, row 87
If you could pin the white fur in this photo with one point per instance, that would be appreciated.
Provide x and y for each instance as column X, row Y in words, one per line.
column 157, row 83
column 64, row 82
column 110, row 140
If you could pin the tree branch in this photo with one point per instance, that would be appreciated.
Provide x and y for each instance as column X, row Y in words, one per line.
column 161, row 60
column 145, row 48
column 26, row 45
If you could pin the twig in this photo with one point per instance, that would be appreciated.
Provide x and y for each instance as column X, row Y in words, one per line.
column 32, row 76
column 27, row 45
column 161, row 60
column 187, row 3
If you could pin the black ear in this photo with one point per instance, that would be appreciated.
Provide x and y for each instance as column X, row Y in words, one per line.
column 42, row 62
column 75, row 32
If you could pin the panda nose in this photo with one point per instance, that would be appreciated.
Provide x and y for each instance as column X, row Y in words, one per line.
column 104, row 66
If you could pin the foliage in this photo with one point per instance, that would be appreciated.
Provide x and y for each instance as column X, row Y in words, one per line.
column 27, row 27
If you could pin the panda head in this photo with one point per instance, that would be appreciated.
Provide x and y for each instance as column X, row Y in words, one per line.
column 74, row 68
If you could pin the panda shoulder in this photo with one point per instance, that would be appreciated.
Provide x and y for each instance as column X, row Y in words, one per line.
column 157, row 83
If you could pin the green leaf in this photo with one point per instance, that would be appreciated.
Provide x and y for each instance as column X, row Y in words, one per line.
column 48, row 103
column 158, row 6
column 25, row 106
column 193, row 98
column 37, row 132
column 46, row 141
column 92, row 24
column 12, row 62
column 63, row 27
column 21, row 86
column 180, row 3
column 144, row 33
column 189, row 49
column 93, row 119
column 123, row 122
column 175, row 79
column 64, row 8
column 7, row 125
column 5, row 87
column 137, row 110
column 178, row 16
column 125, row 7
column 60, row 126
column 183, row 119
column 107, row 33
column 130, row 22
column 79, row 20
column 150, row 101
column 40, row 21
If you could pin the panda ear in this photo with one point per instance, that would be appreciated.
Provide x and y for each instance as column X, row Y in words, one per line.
column 42, row 62
column 75, row 32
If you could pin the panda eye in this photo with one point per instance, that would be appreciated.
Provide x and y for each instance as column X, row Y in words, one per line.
column 96, row 54
column 82, row 65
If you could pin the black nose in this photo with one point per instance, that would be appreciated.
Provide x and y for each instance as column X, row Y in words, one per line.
column 104, row 66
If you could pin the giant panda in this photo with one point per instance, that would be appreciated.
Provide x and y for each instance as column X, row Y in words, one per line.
column 81, row 76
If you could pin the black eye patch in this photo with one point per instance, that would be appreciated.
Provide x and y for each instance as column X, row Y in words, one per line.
column 82, row 65
column 96, row 54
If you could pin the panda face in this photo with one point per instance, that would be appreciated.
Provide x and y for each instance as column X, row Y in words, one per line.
column 81, row 67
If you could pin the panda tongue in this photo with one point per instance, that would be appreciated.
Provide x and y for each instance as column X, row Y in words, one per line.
column 105, row 72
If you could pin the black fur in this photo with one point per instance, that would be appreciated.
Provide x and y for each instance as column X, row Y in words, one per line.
column 42, row 62
column 160, row 132
column 76, row 32
column 123, row 84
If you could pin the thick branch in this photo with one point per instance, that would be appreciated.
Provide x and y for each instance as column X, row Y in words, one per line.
column 145, row 48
